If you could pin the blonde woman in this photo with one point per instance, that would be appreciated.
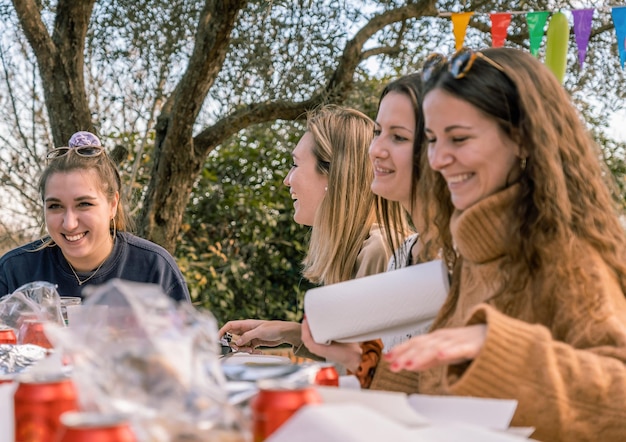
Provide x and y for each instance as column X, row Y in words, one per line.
column 330, row 185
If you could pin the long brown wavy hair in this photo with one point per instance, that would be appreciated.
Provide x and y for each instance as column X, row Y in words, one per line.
column 567, row 192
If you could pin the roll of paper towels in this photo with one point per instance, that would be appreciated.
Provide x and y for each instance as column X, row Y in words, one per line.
column 378, row 305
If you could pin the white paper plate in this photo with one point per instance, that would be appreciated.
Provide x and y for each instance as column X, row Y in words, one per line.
column 252, row 360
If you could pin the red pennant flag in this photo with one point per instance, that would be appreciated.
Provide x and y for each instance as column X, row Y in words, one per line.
column 499, row 24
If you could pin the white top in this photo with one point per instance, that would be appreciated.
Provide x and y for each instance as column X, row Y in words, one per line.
column 404, row 254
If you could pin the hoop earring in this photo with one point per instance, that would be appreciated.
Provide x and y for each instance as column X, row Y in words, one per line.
column 114, row 235
column 523, row 164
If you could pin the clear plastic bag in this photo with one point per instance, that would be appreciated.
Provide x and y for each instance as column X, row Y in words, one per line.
column 135, row 351
column 36, row 300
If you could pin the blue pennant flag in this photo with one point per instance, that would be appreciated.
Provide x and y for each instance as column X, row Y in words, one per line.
column 619, row 20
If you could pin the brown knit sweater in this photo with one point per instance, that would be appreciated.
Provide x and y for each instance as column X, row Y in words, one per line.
column 558, row 354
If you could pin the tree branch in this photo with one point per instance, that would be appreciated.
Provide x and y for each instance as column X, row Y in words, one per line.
column 36, row 33
column 337, row 87
column 60, row 59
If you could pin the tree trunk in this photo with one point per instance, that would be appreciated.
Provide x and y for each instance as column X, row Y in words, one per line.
column 176, row 161
column 60, row 59
column 179, row 157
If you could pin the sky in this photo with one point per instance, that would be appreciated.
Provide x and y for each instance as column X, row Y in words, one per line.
column 618, row 125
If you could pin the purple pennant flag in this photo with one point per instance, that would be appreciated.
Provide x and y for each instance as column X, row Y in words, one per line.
column 619, row 20
column 582, row 31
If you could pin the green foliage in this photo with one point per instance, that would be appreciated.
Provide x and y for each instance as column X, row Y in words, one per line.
column 240, row 249
column 239, row 246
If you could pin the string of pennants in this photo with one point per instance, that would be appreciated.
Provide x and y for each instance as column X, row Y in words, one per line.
column 557, row 33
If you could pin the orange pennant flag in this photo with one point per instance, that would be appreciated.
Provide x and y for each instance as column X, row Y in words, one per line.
column 499, row 24
column 460, row 20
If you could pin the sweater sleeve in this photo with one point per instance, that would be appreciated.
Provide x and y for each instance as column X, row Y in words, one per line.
column 566, row 393
column 373, row 256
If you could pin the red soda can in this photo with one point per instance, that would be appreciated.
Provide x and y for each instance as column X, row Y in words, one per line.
column 327, row 375
column 6, row 378
column 276, row 403
column 79, row 426
column 32, row 332
column 7, row 335
column 39, row 402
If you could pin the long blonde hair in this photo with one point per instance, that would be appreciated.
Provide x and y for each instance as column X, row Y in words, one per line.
column 346, row 214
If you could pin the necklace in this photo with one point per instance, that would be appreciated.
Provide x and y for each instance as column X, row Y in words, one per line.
column 89, row 277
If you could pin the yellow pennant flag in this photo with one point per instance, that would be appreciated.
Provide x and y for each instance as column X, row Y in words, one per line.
column 460, row 20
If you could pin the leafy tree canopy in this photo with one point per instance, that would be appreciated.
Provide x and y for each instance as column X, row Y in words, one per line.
column 202, row 102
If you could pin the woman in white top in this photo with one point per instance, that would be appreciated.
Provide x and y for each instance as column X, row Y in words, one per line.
column 395, row 153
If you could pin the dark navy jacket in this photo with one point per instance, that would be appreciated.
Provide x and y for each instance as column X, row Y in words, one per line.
column 132, row 258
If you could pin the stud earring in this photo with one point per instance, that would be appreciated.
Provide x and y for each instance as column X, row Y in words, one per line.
column 326, row 189
column 523, row 163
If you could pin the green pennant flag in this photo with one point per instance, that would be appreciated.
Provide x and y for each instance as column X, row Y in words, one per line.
column 536, row 22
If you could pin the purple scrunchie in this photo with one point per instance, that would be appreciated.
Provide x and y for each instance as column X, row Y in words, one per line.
column 84, row 139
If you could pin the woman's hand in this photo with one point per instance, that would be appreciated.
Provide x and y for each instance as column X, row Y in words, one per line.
column 447, row 346
column 346, row 354
column 252, row 333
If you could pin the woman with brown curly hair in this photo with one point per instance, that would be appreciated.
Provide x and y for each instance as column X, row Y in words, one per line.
column 536, row 311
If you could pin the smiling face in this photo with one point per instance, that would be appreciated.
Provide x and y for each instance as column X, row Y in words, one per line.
column 307, row 185
column 469, row 149
column 391, row 150
column 78, row 216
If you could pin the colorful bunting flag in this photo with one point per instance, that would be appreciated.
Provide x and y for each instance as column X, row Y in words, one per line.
column 460, row 20
column 557, row 44
column 500, row 22
column 582, row 31
column 619, row 20
column 536, row 23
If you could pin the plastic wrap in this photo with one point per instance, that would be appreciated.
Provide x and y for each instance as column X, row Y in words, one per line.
column 39, row 300
column 135, row 351
column 14, row 359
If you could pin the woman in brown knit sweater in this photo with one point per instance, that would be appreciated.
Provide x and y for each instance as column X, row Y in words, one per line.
column 536, row 310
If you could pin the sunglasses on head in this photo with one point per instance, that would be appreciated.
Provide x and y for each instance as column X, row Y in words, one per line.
column 83, row 151
column 458, row 65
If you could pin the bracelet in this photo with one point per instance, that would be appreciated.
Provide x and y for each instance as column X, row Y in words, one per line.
column 371, row 352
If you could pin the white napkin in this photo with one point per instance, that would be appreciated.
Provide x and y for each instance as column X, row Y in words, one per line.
column 376, row 306
column 339, row 423
column 7, row 415
column 495, row 414
column 391, row 404
column 351, row 422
